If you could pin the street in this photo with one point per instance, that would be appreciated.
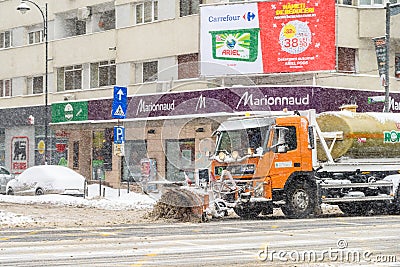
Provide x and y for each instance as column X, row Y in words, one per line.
column 264, row 241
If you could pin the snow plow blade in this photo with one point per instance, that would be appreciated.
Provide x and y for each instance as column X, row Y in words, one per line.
column 182, row 203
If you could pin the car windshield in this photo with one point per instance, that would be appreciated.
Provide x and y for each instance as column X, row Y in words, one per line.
column 241, row 140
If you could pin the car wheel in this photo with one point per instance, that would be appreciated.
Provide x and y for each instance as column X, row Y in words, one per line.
column 10, row 191
column 39, row 192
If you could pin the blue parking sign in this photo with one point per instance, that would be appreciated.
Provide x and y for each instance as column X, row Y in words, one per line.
column 119, row 103
column 119, row 134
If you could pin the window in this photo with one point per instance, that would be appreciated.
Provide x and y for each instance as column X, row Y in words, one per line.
column 146, row 12
column 69, row 78
column 345, row 2
column 290, row 138
column 150, row 70
column 188, row 66
column 102, row 73
column 397, row 65
column 35, row 37
column 346, row 60
column 135, row 151
column 189, row 7
column 180, row 159
column 370, row 2
column 74, row 27
column 5, row 88
column 37, row 85
column 107, row 20
column 5, row 39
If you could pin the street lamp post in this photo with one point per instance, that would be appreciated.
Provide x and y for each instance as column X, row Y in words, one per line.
column 23, row 8
column 391, row 10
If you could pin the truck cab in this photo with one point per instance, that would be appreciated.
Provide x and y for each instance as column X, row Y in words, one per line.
column 264, row 155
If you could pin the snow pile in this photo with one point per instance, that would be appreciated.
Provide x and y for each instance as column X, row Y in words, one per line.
column 113, row 199
column 11, row 218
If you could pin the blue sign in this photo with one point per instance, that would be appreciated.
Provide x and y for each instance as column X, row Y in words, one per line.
column 120, row 102
column 119, row 134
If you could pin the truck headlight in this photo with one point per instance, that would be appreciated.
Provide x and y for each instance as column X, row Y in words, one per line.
column 221, row 155
column 259, row 189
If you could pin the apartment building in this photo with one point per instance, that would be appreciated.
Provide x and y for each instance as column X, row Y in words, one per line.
column 152, row 48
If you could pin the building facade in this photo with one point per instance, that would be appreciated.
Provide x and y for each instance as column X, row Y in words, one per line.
column 152, row 48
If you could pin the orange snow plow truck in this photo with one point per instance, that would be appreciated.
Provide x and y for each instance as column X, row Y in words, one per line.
column 300, row 160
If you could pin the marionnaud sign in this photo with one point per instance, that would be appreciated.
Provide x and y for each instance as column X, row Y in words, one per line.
column 119, row 103
column 242, row 99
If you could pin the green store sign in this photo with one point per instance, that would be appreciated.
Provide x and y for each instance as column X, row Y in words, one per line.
column 69, row 111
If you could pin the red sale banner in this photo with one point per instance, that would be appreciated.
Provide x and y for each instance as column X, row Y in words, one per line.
column 297, row 36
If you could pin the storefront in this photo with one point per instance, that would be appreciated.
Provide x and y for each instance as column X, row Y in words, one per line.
column 167, row 135
column 22, row 139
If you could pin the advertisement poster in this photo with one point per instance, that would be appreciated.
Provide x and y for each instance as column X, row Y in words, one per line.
column 268, row 37
column 19, row 154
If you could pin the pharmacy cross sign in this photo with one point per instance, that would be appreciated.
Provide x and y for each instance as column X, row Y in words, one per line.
column 120, row 103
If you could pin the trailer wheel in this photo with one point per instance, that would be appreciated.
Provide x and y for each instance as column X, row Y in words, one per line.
column 300, row 200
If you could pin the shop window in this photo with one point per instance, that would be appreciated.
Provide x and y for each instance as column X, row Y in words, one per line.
column 102, row 73
column 5, row 88
column 5, row 39
column 102, row 150
column 69, row 78
column 347, row 60
column 146, row 12
column 107, row 20
column 35, row 37
column 180, row 158
column 189, row 7
column 188, row 66
column 135, row 151
column 75, row 156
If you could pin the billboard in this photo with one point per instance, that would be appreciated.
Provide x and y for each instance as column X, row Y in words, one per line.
column 267, row 37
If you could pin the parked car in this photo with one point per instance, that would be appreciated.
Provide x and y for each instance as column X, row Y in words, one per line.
column 5, row 176
column 47, row 179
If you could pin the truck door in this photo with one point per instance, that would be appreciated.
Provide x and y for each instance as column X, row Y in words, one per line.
column 287, row 158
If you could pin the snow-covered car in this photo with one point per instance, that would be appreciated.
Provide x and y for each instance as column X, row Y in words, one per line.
column 5, row 176
column 47, row 179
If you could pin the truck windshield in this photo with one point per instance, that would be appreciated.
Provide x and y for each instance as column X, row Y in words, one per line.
column 241, row 140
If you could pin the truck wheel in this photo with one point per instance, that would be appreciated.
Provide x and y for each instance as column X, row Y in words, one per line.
column 300, row 200
column 247, row 212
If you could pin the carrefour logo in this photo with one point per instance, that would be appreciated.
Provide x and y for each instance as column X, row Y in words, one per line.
column 392, row 137
column 248, row 16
